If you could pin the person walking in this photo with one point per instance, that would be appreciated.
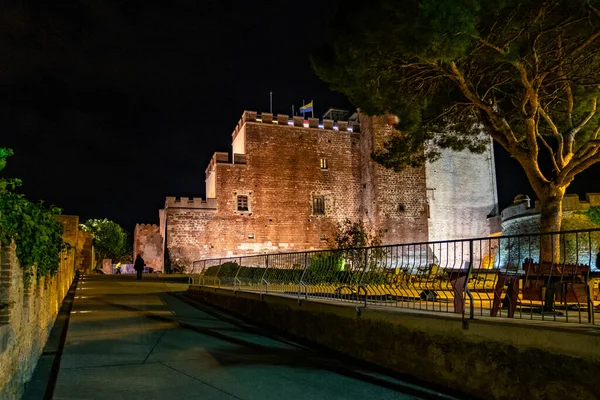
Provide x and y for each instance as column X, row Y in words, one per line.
column 139, row 266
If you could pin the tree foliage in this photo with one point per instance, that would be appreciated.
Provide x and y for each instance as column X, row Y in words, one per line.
column 37, row 234
column 593, row 214
column 527, row 72
column 351, row 239
column 110, row 239
column 352, row 235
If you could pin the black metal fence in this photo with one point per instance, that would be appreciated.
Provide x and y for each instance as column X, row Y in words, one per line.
column 538, row 276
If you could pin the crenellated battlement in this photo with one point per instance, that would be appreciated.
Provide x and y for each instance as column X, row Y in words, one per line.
column 219, row 157
column 522, row 207
column 295, row 121
column 146, row 226
column 191, row 202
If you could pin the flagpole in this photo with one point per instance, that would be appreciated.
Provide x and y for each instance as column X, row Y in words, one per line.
column 312, row 108
column 271, row 101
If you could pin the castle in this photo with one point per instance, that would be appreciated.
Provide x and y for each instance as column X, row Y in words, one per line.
column 288, row 182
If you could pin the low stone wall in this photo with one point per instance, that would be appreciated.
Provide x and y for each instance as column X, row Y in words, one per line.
column 26, row 317
column 500, row 359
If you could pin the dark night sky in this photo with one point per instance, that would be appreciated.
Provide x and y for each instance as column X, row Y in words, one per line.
column 112, row 105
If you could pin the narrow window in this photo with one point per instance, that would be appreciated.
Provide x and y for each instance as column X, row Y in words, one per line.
column 401, row 207
column 323, row 237
column 318, row 205
column 251, row 236
column 323, row 163
column 242, row 203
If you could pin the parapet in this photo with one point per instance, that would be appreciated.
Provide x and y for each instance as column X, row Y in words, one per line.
column 299, row 121
column 239, row 158
column 219, row 157
column 146, row 226
column 191, row 202
column 571, row 202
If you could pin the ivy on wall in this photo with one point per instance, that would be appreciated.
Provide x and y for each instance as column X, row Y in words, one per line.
column 593, row 213
column 32, row 226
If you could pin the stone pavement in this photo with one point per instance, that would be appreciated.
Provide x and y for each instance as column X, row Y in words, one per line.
column 142, row 340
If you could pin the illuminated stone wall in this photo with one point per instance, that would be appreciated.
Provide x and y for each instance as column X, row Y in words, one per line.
column 523, row 218
column 461, row 191
column 27, row 315
column 147, row 241
column 281, row 165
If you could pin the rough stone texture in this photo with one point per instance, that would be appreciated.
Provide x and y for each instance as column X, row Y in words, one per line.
column 490, row 360
column 148, row 242
column 277, row 165
column 107, row 267
column 281, row 175
column 85, row 251
column 81, row 240
column 519, row 219
column 26, row 317
column 71, row 228
column 395, row 203
column 461, row 189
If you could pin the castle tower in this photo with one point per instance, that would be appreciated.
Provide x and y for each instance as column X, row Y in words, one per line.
column 462, row 195
column 395, row 202
column 451, row 198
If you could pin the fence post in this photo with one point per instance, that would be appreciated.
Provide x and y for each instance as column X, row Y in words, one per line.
column 364, row 271
column 235, row 278
column 301, row 282
column 217, row 274
column 466, row 288
column 263, row 280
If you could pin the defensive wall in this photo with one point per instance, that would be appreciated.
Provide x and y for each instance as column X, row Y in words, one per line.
column 81, row 241
column 148, row 242
column 462, row 195
column 282, row 165
column 27, row 315
column 523, row 217
column 484, row 359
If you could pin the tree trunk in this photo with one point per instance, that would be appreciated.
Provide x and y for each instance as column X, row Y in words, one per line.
column 550, row 222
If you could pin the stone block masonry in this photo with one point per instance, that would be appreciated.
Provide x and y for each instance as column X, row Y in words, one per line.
column 26, row 317
column 148, row 242
column 289, row 182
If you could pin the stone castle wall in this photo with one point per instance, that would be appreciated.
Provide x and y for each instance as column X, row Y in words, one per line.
column 148, row 242
column 461, row 191
column 276, row 163
column 85, row 251
column 281, row 175
column 394, row 202
column 80, row 240
column 26, row 317
column 523, row 218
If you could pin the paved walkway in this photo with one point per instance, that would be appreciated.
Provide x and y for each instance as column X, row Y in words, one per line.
column 139, row 340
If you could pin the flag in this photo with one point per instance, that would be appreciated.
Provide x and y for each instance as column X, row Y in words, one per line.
column 306, row 108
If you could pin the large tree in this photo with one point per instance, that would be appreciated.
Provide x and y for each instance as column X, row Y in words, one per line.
column 110, row 240
column 526, row 72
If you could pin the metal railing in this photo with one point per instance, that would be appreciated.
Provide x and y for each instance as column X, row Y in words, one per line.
column 496, row 276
